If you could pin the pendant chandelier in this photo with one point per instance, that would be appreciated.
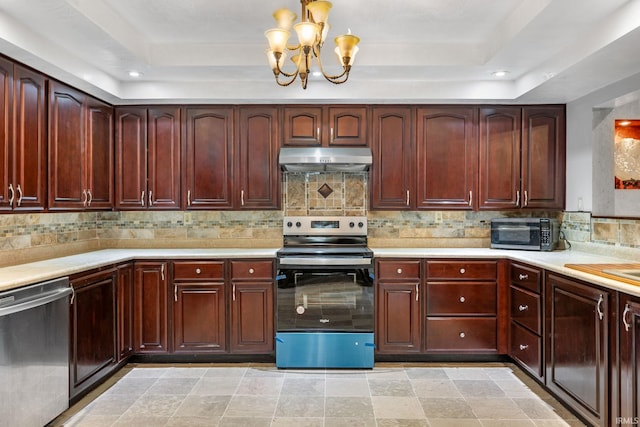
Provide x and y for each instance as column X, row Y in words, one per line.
column 312, row 31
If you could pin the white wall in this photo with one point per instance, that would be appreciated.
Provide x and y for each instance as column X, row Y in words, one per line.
column 580, row 140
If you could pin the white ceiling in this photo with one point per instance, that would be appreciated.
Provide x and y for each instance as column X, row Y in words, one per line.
column 410, row 51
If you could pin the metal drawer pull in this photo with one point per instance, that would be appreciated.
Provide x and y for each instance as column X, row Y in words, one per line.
column 462, row 299
column 518, row 198
column 234, row 292
column 399, row 271
column 417, row 292
column 90, row 197
column 526, row 198
column 523, row 347
column 188, row 197
column 198, row 271
column 599, row 307
column 241, row 197
column 251, row 271
column 175, row 293
column 470, row 197
column 19, row 195
column 462, row 335
column 142, row 198
column 523, row 307
column 408, row 198
column 462, row 271
column 150, row 198
column 162, row 271
column 523, row 276
column 84, row 198
column 627, row 325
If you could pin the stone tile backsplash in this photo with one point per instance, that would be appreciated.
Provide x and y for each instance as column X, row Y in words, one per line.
column 325, row 193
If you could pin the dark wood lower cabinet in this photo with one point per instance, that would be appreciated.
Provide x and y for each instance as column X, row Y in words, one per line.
column 199, row 317
column 150, row 314
column 577, row 356
column 629, row 374
column 125, row 311
column 92, row 330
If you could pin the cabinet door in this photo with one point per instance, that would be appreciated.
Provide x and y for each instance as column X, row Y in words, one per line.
column 209, row 158
column 66, row 148
column 199, row 317
column 446, row 157
column 252, row 317
column 347, row 126
column 150, row 308
column 93, row 329
column 302, row 126
column 99, row 155
column 398, row 322
column 29, row 143
column 163, row 148
column 499, row 176
column 543, row 157
column 629, row 357
column 258, row 183
column 577, row 352
column 6, row 136
column 131, row 157
column 125, row 311
column 393, row 152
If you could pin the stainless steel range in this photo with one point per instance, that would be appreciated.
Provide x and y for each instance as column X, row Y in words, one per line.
column 325, row 300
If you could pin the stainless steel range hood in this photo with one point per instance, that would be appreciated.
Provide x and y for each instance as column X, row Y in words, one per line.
column 325, row 159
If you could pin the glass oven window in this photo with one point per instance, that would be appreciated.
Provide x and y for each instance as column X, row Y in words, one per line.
column 310, row 300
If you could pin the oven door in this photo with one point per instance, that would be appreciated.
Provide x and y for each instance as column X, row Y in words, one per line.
column 329, row 300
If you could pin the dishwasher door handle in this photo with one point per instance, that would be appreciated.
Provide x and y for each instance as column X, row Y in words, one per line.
column 45, row 298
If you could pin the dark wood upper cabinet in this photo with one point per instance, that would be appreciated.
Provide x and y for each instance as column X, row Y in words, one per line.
column 6, row 135
column 258, row 178
column 208, row 177
column 391, row 176
column 26, row 155
column 499, row 177
column 99, row 154
column 543, row 157
column 446, row 157
column 325, row 126
column 148, row 149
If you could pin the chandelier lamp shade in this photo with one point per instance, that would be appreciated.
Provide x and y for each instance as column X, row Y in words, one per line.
column 312, row 31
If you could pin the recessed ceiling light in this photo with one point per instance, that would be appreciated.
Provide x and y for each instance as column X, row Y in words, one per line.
column 499, row 73
column 134, row 73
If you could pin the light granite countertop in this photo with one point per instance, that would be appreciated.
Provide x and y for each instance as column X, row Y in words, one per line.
column 34, row 272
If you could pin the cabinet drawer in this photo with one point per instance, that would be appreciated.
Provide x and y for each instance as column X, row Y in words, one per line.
column 461, row 270
column 455, row 334
column 398, row 270
column 198, row 270
column 469, row 298
column 526, row 349
column 526, row 277
column 525, row 309
column 248, row 269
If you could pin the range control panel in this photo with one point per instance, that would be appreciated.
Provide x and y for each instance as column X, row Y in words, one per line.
column 325, row 225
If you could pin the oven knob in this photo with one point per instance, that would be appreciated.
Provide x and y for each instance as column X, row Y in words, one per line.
column 360, row 224
column 298, row 224
column 352, row 224
column 289, row 224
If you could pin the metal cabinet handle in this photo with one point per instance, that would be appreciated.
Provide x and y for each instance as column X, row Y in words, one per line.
column 627, row 325
column 470, row 198
column 523, row 276
column 251, row 271
column 150, row 198
column 318, row 134
column 407, row 197
column 417, row 292
column 462, row 335
column 462, row 271
column 241, row 197
column 175, row 293
column 518, row 198
column 599, row 307
column 523, row 347
column 73, row 295
column 188, row 197
column 84, row 198
column 399, row 271
column 198, row 271
column 332, row 138
column 523, row 307
column 162, row 272
column 19, row 195
column 11, row 194
column 526, row 198
column 233, row 293
column 142, row 198
column 90, row 197
column 462, row 299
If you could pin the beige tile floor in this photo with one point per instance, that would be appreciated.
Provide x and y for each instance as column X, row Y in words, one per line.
column 434, row 395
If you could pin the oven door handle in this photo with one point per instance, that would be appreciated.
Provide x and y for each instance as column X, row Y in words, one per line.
column 311, row 261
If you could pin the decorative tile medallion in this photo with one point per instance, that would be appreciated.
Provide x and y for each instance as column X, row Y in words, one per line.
column 325, row 190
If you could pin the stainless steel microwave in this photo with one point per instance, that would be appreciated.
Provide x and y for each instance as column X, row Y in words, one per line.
column 531, row 234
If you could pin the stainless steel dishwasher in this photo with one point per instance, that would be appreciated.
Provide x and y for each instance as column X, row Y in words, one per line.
column 34, row 353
